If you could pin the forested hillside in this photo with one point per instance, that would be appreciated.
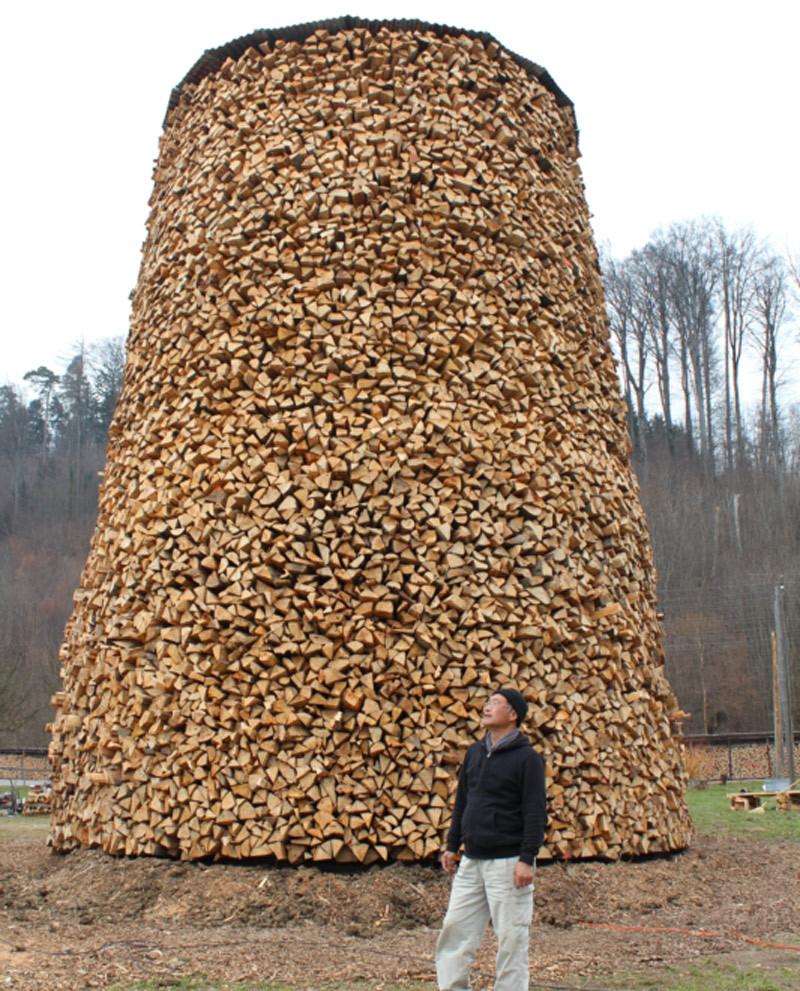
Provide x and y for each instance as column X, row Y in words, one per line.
column 52, row 449
column 720, row 477
column 694, row 314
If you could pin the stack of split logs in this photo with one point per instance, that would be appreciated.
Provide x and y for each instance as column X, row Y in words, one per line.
column 369, row 463
column 38, row 801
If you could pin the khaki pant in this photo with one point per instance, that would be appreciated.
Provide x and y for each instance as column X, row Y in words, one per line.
column 484, row 889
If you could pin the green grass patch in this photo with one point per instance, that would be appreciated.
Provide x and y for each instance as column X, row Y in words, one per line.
column 712, row 814
column 706, row 975
column 17, row 828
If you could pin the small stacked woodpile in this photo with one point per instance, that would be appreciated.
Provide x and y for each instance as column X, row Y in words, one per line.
column 729, row 758
column 38, row 801
column 369, row 463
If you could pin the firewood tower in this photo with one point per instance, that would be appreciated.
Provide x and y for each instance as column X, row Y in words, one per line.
column 369, row 463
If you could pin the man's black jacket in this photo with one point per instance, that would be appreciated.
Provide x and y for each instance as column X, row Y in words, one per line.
column 501, row 809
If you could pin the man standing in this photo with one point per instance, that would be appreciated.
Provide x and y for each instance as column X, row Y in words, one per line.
column 500, row 816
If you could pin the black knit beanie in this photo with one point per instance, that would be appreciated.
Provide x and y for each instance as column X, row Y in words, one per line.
column 516, row 701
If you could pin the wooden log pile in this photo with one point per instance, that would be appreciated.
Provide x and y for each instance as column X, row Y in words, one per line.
column 369, row 463
column 732, row 760
column 38, row 801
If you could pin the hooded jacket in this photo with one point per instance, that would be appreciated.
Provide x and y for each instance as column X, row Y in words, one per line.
column 501, row 807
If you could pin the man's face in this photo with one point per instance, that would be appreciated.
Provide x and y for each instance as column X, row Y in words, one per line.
column 497, row 713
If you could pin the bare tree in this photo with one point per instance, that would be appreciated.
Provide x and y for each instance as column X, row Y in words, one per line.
column 654, row 274
column 629, row 310
column 106, row 361
column 738, row 262
column 694, row 276
column 793, row 262
column 770, row 305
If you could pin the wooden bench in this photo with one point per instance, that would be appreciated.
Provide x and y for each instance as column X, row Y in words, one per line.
column 748, row 800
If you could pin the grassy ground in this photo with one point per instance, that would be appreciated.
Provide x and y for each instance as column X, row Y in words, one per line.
column 706, row 975
column 711, row 814
column 15, row 828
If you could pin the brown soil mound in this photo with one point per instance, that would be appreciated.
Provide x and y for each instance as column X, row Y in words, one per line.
column 90, row 920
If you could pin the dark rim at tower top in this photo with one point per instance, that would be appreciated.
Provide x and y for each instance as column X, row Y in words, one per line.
column 213, row 58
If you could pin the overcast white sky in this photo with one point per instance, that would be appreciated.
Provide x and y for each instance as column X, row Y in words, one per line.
column 684, row 109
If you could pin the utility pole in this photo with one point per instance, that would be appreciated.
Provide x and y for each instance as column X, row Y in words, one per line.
column 784, row 731
column 777, row 726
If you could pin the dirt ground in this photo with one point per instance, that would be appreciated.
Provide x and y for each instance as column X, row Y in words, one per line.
column 88, row 920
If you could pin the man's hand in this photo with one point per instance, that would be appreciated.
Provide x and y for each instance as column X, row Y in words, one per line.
column 449, row 861
column 523, row 874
